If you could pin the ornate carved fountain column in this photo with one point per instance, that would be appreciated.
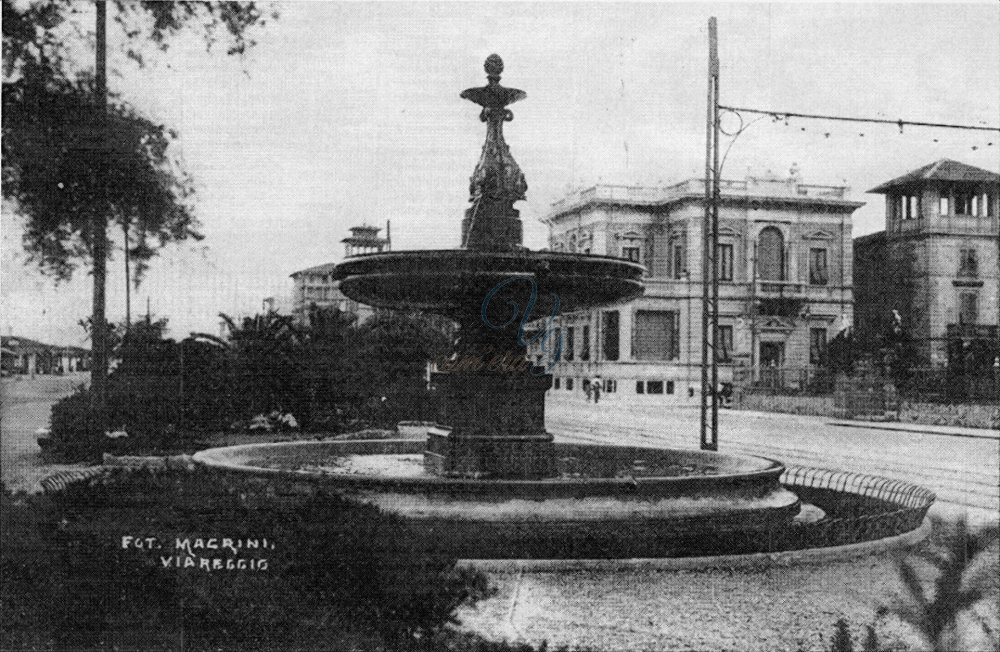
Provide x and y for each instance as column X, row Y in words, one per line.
column 493, row 401
column 492, row 223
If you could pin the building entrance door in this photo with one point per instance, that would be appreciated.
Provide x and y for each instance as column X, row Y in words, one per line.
column 772, row 354
column 772, row 357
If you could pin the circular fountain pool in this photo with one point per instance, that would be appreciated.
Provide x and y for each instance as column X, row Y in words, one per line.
column 604, row 501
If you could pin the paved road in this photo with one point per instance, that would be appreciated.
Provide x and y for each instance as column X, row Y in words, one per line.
column 963, row 470
column 24, row 407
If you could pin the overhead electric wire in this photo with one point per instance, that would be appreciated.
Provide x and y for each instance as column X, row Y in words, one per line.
column 899, row 123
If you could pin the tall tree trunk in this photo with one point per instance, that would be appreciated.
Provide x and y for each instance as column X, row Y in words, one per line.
column 99, row 335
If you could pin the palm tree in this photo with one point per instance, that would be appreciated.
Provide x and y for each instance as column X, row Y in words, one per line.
column 965, row 576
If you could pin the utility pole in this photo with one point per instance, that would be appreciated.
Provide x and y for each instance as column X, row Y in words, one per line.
column 99, row 219
column 710, row 247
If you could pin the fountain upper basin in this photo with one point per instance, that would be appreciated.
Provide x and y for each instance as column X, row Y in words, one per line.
column 449, row 281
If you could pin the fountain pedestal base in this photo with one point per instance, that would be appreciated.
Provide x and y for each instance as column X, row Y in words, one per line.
column 449, row 455
column 492, row 426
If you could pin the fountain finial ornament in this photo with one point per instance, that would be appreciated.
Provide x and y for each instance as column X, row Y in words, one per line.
column 497, row 182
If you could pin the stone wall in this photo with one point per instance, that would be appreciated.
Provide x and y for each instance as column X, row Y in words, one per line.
column 949, row 414
column 815, row 405
column 874, row 408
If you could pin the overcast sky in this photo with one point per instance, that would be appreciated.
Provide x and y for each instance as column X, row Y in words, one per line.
column 349, row 113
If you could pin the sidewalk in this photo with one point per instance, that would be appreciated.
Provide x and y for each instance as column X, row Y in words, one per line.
column 921, row 428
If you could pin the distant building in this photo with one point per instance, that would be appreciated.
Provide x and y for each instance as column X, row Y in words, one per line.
column 785, row 282
column 936, row 263
column 20, row 355
column 315, row 286
column 364, row 239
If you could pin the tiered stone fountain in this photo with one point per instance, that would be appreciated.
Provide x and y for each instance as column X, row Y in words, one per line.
column 490, row 477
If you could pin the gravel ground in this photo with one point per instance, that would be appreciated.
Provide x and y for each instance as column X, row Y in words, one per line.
column 778, row 608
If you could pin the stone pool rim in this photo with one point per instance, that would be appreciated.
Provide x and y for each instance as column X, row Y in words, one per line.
column 764, row 473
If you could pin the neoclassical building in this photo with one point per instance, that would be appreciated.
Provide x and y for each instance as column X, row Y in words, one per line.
column 315, row 286
column 936, row 262
column 785, row 262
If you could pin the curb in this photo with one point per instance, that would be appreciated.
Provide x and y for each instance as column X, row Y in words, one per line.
column 753, row 561
column 876, row 425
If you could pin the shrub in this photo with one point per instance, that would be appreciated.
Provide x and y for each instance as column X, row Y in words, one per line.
column 75, row 429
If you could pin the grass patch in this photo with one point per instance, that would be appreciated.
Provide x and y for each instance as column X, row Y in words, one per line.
column 338, row 575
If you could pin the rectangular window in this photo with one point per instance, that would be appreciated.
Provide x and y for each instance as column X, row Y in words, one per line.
column 818, row 272
column 656, row 335
column 670, row 387
column 968, row 263
column 570, row 343
column 963, row 204
column 569, row 384
column 610, row 386
column 725, row 343
column 943, row 206
column 555, row 382
column 968, row 308
column 640, row 387
column 724, row 261
column 585, row 344
column 679, row 263
column 611, row 335
column 817, row 346
column 630, row 253
column 654, row 387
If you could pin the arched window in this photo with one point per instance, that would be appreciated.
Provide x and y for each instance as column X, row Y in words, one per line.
column 771, row 254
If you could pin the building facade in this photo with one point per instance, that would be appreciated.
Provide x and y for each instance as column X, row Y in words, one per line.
column 785, row 287
column 936, row 263
column 316, row 287
column 20, row 355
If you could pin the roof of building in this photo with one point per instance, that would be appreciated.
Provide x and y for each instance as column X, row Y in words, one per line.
column 365, row 240
column 761, row 190
column 15, row 345
column 323, row 269
column 943, row 169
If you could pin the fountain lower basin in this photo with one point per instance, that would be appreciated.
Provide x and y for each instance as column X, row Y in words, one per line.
column 605, row 501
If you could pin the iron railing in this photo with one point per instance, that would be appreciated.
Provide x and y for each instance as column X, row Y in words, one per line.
column 857, row 507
